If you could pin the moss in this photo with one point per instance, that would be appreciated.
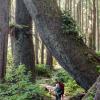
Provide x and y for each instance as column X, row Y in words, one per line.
column 69, row 27
column 91, row 96
column 12, row 25
column 98, row 68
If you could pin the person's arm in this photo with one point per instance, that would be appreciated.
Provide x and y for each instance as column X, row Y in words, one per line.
column 57, row 85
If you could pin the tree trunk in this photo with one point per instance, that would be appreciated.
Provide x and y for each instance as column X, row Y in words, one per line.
column 94, row 25
column 90, row 39
column 94, row 90
column 72, row 54
column 97, row 25
column 4, row 23
column 79, row 13
column 49, row 60
column 97, row 89
column 23, row 52
column 36, row 47
column 42, row 53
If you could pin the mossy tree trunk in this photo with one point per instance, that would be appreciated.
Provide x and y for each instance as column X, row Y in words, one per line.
column 94, row 91
column 74, row 56
column 4, row 24
column 23, row 48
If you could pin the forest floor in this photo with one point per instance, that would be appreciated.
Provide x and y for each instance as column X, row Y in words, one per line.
column 64, row 98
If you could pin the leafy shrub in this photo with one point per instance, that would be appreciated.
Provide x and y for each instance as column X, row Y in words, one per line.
column 69, row 25
column 9, row 58
column 98, row 68
column 18, row 86
column 72, row 88
column 43, row 70
column 91, row 95
column 62, row 75
column 98, row 53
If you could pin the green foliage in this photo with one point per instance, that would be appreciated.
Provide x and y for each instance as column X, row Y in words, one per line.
column 18, row 86
column 98, row 53
column 98, row 68
column 17, row 74
column 9, row 58
column 62, row 75
column 72, row 88
column 91, row 96
column 43, row 70
column 69, row 25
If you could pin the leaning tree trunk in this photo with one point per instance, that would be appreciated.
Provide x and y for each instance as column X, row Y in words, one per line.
column 4, row 23
column 74, row 56
column 23, row 49
column 97, row 89
column 94, row 90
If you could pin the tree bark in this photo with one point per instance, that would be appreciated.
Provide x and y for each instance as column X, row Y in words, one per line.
column 23, row 48
column 49, row 60
column 42, row 53
column 95, row 90
column 94, row 25
column 4, row 24
column 74, row 56
column 36, row 47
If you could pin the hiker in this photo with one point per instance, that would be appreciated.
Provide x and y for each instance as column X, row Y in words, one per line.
column 59, row 90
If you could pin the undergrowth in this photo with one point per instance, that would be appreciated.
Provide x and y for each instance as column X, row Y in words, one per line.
column 18, row 86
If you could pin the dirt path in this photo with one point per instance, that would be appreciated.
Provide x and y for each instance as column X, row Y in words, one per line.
column 65, row 98
column 51, row 89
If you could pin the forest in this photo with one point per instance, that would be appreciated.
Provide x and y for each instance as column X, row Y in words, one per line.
column 49, row 50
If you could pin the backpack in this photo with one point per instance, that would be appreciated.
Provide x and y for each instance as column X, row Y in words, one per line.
column 58, row 91
column 62, row 87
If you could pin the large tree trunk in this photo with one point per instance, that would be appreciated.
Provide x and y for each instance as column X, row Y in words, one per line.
column 73, row 55
column 23, row 49
column 94, row 90
column 3, row 36
column 97, row 89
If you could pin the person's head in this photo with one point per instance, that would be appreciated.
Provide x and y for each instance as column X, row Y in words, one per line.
column 56, row 80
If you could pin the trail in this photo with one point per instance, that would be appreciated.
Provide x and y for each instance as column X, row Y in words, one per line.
column 51, row 91
column 65, row 98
